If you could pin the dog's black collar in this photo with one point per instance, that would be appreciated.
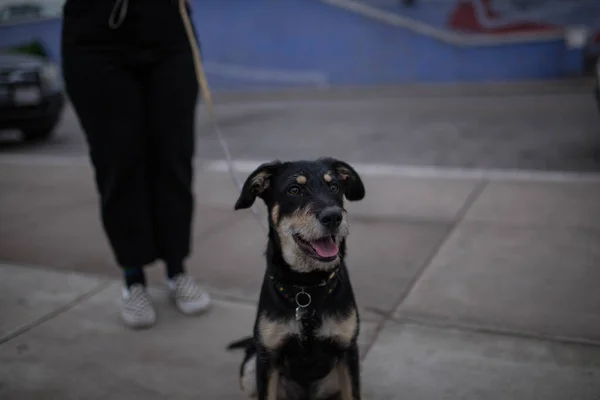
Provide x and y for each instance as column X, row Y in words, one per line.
column 305, row 298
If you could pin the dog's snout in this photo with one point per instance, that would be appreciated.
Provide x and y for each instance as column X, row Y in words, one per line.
column 331, row 217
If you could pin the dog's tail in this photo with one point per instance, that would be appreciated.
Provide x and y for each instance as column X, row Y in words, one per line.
column 245, row 343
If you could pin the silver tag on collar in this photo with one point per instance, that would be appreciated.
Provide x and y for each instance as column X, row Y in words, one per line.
column 303, row 300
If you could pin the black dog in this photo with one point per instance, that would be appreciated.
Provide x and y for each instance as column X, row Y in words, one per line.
column 304, row 344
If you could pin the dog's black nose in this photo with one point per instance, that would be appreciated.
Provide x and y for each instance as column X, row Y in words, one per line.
column 331, row 217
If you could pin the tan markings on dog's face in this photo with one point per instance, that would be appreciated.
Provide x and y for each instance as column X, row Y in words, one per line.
column 305, row 224
column 340, row 329
column 273, row 333
column 327, row 177
column 301, row 179
column 260, row 182
column 275, row 213
column 343, row 173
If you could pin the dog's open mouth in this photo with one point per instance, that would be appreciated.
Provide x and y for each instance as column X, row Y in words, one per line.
column 324, row 249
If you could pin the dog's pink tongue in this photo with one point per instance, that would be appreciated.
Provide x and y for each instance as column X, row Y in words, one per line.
column 325, row 247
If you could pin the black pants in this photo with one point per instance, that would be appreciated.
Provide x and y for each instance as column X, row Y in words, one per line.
column 134, row 91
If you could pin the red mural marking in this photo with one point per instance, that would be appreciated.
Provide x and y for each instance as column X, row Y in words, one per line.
column 464, row 18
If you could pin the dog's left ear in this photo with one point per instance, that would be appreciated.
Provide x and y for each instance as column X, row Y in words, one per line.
column 256, row 184
column 354, row 189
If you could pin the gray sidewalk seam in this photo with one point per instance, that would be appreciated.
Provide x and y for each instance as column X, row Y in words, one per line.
column 55, row 313
column 492, row 331
column 460, row 215
column 545, row 226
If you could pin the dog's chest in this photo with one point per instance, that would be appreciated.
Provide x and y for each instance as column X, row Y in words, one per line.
column 340, row 330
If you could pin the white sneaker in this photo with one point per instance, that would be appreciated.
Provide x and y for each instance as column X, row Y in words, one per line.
column 188, row 296
column 137, row 310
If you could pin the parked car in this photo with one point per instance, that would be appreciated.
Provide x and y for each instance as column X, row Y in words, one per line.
column 19, row 10
column 31, row 95
column 597, row 88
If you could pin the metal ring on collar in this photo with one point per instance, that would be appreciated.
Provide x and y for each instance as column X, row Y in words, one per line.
column 308, row 299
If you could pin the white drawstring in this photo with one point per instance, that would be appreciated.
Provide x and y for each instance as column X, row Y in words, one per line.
column 118, row 14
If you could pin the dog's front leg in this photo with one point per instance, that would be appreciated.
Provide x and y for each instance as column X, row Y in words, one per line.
column 349, row 375
column 272, row 388
column 267, row 376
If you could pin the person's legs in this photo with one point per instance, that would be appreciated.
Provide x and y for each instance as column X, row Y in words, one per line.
column 108, row 103
column 171, row 93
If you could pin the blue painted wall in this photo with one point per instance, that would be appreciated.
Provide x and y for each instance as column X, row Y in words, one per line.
column 347, row 48
column 351, row 49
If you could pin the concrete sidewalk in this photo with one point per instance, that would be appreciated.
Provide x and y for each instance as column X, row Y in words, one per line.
column 468, row 289
column 537, row 127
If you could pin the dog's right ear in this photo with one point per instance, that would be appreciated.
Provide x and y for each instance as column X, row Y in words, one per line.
column 257, row 184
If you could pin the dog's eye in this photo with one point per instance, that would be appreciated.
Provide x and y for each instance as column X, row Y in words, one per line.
column 294, row 190
column 334, row 188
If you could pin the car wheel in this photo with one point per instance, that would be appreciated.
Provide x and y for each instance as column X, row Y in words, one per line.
column 37, row 133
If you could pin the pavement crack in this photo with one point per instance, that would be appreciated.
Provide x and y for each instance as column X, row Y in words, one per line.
column 460, row 215
column 55, row 313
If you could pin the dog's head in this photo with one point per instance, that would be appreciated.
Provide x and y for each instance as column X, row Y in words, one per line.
column 305, row 200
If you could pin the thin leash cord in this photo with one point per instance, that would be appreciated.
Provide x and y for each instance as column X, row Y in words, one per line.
column 206, row 95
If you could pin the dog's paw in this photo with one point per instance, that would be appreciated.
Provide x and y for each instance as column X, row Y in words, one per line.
column 248, row 378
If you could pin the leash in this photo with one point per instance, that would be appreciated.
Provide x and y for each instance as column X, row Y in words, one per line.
column 118, row 15
column 207, row 96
